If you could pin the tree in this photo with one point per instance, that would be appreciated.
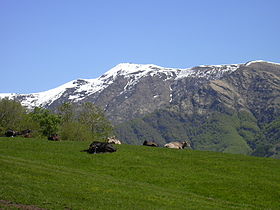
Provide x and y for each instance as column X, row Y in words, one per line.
column 94, row 118
column 71, row 129
column 49, row 122
column 11, row 114
column 67, row 112
column 83, row 122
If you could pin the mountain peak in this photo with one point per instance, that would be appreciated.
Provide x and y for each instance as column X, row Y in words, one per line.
column 130, row 68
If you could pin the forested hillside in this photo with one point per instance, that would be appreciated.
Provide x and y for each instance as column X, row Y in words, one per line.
column 231, row 132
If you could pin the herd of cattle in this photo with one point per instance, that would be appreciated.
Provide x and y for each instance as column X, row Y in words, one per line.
column 28, row 134
column 101, row 147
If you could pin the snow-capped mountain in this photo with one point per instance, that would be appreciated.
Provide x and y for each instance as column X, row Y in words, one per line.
column 130, row 90
column 82, row 88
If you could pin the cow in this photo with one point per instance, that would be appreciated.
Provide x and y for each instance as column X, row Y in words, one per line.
column 178, row 145
column 150, row 143
column 54, row 137
column 100, row 147
column 10, row 133
column 25, row 133
column 113, row 140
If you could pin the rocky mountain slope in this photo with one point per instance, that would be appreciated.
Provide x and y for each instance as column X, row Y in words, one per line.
column 253, row 87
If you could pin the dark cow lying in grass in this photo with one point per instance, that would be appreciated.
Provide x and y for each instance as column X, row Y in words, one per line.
column 54, row 137
column 12, row 133
column 100, row 147
column 150, row 143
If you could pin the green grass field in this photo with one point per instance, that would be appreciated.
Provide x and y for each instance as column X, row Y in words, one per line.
column 56, row 175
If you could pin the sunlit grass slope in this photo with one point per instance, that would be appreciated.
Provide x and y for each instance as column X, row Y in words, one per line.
column 56, row 175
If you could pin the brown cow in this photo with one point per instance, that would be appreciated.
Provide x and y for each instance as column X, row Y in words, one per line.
column 54, row 137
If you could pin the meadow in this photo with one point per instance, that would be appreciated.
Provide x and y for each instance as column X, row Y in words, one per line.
column 57, row 175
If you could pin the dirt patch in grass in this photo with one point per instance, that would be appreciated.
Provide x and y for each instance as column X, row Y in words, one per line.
column 10, row 204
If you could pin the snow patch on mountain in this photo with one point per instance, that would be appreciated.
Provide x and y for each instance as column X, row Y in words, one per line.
column 208, row 71
column 260, row 61
column 137, row 71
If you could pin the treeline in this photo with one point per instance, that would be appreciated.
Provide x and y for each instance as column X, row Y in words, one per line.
column 71, row 122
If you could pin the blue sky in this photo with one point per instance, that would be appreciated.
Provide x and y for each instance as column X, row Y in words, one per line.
column 44, row 44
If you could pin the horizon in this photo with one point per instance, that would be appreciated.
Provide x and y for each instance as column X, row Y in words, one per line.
column 47, row 44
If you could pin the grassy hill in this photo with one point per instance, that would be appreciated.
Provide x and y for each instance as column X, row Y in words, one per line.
column 56, row 175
